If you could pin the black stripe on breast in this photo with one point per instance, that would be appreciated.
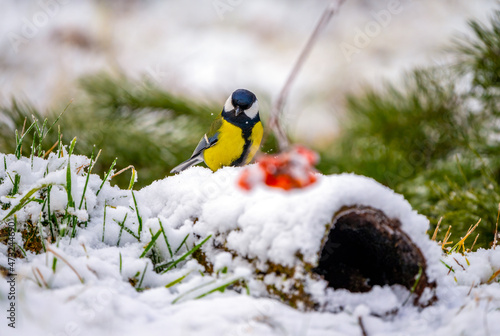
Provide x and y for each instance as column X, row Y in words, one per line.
column 246, row 124
column 246, row 149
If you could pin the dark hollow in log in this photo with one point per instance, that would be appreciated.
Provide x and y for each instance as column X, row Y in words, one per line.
column 366, row 248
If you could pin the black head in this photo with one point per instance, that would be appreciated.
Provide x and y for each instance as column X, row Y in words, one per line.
column 240, row 101
column 243, row 98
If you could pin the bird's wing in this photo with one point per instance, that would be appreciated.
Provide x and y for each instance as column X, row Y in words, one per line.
column 205, row 142
column 216, row 125
column 197, row 156
column 210, row 138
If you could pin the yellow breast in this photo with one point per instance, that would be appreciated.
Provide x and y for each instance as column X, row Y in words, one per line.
column 230, row 146
column 255, row 138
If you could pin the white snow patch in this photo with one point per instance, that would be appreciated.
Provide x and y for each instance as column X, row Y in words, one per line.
column 268, row 225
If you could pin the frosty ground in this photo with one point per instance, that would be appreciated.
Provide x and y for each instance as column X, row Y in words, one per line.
column 103, row 281
column 92, row 271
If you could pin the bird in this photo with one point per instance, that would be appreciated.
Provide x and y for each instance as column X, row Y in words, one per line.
column 234, row 136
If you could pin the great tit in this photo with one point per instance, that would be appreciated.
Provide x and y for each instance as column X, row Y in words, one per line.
column 234, row 137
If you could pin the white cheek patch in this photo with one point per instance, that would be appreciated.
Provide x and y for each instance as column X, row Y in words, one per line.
column 228, row 106
column 253, row 110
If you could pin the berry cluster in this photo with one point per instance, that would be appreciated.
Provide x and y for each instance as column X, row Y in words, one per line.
column 287, row 170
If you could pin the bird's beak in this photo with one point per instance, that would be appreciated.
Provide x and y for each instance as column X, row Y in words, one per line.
column 237, row 110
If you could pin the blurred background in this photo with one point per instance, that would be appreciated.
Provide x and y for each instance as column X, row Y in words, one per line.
column 380, row 94
column 206, row 49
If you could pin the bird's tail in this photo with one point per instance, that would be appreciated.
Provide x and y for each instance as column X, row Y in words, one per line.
column 186, row 164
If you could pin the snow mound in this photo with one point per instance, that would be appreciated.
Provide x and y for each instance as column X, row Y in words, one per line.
column 194, row 253
column 278, row 235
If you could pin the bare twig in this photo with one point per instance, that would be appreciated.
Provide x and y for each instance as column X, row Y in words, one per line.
column 51, row 148
column 474, row 243
column 362, row 326
column 124, row 169
column 459, row 264
column 65, row 261
column 437, row 228
column 471, row 286
column 277, row 108
column 92, row 164
column 493, row 277
column 446, row 237
column 41, row 277
column 461, row 243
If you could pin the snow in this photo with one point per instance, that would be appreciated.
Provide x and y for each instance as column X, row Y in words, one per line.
column 257, row 229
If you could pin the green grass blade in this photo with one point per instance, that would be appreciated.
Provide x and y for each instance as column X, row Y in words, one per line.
column 41, row 235
column 50, row 128
column 107, row 175
column 132, row 179
column 20, row 139
column 71, row 203
column 139, row 286
column 219, row 288
column 10, row 178
column 447, row 266
column 139, row 218
column 17, row 182
column 178, row 280
column 32, row 155
column 21, row 249
column 415, row 284
column 192, row 290
column 187, row 254
column 122, row 225
column 49, row 188
column 72, row 146
column 182, row 243
column 87, row 179
column 60, row 146
column 165, row 238
column 104, row 222
column 25, row 200
column 151, row 243
column 54, row 264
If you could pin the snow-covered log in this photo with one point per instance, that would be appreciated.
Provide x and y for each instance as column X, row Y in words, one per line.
column 365, row 248
column 345, row 232
column 345, row 246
